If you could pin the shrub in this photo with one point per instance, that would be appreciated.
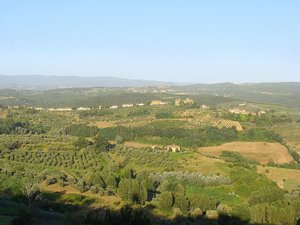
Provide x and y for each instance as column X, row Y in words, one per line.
column 166, row 200
column 51, row 180
column 197, row 213
column 94, row 190
column 119, row 139
column 81, row 142
column 177, row 213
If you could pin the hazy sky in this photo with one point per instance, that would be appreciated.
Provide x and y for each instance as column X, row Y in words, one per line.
column 176, row 40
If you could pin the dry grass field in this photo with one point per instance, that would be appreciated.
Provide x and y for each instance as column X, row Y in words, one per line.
column 262, row 152
column 287, row 179
column 112, row 201
column 200, row 163
column 104, row 124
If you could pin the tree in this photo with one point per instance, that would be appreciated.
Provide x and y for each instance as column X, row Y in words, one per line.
column 119, row 139
column 31, row 192
column 101, row 143
column 132, row 190
column 164, row 186
column 181, row 202
column 166, row 200
column 81, row 142
column 12, row 145
column 111, row 181
column 179, row 189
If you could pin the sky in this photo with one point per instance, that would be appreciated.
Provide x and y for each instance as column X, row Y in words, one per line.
column 205, row 41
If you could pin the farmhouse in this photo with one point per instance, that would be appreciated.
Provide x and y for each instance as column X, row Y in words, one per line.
column 158, row 102
column 113, row 107
column 240, row 111
column 177, row 101
column 140, row 104
column 188, row 101
column 127, row 105
column 173, row 148
column 60, row 109
column 204, row 107
column 261, row 112
column 83, row 108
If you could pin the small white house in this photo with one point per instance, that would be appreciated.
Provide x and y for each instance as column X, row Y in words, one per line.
column 60, row 109
column 113, row 107
column 173, row 148
column 127, row 105
column 204, row 107
column 83, row 108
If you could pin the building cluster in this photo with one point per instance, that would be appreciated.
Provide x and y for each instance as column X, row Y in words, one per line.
column 156, row 102
column 159, row 102
column 245, row 112
column 186, row 101
column 169, row 148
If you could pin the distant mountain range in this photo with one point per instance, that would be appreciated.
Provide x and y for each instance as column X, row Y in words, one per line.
column 53, row 82
column 284, row 94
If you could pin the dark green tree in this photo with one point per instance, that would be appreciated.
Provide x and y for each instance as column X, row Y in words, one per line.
column 101, row 143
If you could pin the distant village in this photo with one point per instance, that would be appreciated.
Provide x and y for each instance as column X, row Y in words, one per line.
column 177, row 102
column 253, row 111
column 156, row 102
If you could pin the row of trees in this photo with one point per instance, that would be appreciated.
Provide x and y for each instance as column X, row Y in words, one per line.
column 277, row 213
column 205, row 136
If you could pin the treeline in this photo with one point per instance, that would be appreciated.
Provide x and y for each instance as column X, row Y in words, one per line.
column 12, row 126
column 260, row 119
column 238, row 159
column 81, row 130
column 95, row 112
column 205, row 136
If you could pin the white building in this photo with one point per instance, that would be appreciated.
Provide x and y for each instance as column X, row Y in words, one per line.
column 60, row 109
column 204, row 107
column 83, row 108
column 127, row 105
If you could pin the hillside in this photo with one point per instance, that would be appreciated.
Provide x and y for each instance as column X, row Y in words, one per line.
column 285, row 94
column 51, row 82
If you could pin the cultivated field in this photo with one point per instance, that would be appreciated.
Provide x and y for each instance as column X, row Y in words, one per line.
column 201, row 118
column 262, row 152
